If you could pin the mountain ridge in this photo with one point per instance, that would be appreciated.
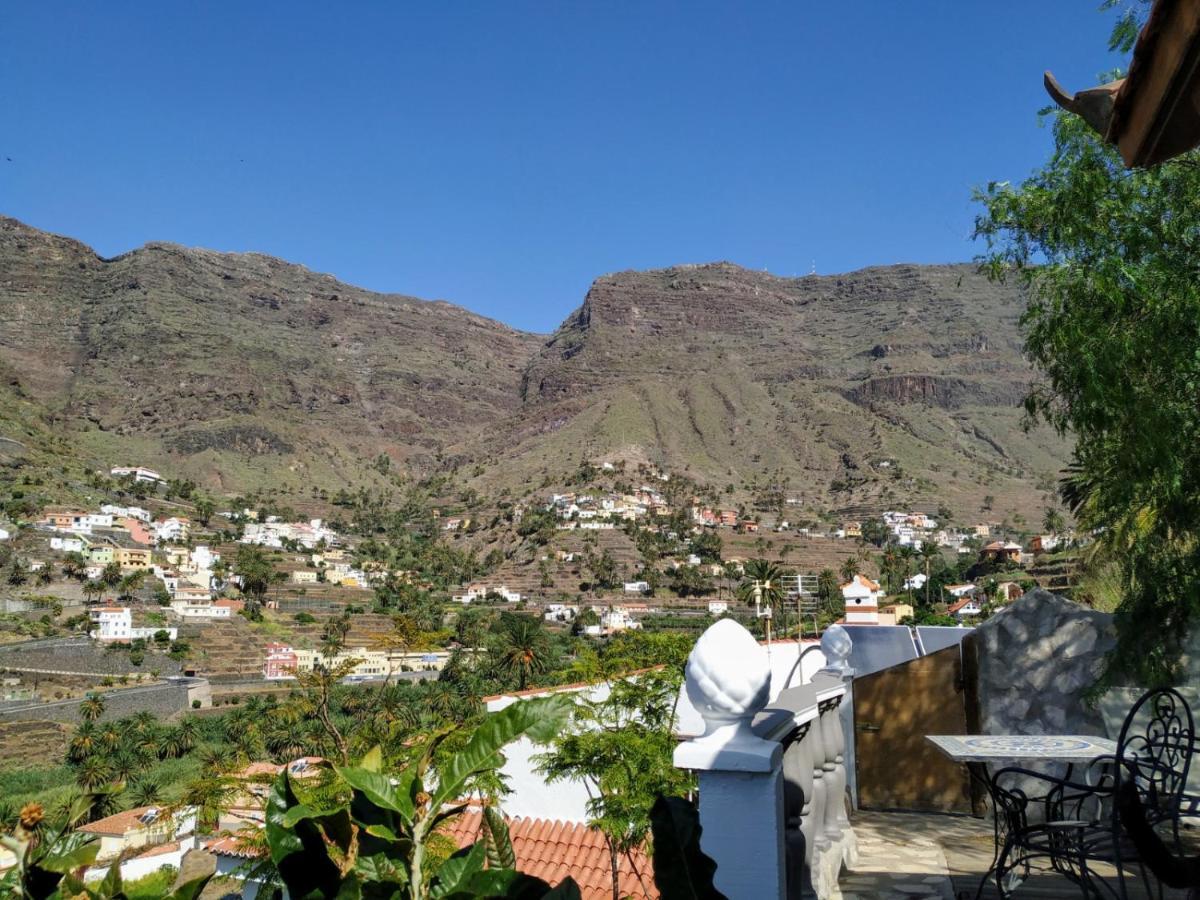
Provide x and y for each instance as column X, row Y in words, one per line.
column 240, row 368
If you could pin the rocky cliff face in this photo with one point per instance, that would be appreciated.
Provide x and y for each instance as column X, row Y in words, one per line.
column 819, row 383
column 886, row 386
column 200, row 361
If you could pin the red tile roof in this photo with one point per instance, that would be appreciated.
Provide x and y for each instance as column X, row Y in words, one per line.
column 232, row 845
column 124, row 822
column 552, row 850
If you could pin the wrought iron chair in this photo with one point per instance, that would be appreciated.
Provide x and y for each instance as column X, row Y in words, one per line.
column 1076, row 824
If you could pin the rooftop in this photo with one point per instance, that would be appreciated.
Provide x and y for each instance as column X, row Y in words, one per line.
column 552, row 850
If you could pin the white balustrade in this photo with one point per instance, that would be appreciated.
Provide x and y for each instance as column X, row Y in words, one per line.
column 772, row 777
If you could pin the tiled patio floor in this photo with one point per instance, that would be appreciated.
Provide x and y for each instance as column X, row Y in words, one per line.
column 911, row 856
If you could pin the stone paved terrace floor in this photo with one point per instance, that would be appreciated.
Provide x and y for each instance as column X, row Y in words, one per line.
column 913, row 856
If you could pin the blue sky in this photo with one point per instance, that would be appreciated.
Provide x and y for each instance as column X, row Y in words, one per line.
column 502, row 155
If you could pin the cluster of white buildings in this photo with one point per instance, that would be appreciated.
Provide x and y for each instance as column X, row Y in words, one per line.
column 581, row 510
column 479, row 592
column 273, row 533
column 133, row 521
column 282, row 662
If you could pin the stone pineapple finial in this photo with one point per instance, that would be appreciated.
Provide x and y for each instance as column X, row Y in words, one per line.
column 728, row 680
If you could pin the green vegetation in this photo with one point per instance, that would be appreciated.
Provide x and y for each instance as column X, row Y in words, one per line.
column 1108, row 257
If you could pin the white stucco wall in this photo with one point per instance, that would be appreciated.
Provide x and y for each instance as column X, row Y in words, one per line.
column 531, row 796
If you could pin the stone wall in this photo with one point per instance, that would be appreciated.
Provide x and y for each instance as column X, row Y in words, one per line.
column 1038, row 658
column 80, row 655
column 164, row 699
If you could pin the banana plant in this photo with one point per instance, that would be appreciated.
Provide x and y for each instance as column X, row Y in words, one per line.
column 377, row 843
column 44, row 856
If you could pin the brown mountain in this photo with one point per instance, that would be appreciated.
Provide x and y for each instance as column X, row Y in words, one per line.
column 886, row 386
column 234, row 368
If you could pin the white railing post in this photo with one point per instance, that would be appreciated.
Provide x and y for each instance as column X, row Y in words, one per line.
column 728, row 680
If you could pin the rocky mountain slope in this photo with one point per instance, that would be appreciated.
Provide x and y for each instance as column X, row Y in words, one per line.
column 891, row 384
column 879, row 387
column 234, row 368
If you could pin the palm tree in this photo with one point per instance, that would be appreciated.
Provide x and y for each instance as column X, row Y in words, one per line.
column 188, row 731
column 849, row 569
column 83, row 742
column 211, row 795
column 125, row 763
column 216, row 760
column 929, row 552
column 904, row 558
column 73, row 566
column 131, row 583
column 91, row 707
column 171, row 744
column 145, row 791
column 761, row 580
column 93, row 772
column 109, row 737
column 523, row 646
column 143, row 721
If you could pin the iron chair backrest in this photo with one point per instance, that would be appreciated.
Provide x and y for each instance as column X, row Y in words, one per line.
column 1154, row 751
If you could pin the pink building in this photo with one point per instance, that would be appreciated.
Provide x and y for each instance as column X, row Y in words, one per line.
column 280, row 662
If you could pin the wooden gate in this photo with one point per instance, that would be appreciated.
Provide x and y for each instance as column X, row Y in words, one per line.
column 893, row 711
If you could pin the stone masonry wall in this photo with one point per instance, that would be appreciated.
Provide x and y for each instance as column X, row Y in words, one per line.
column 164, row 700
column 1037, row 659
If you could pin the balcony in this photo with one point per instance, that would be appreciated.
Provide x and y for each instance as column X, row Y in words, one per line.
column 830, row 789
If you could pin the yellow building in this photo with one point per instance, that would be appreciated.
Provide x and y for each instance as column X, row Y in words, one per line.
column 895, row 614
column 131, row 559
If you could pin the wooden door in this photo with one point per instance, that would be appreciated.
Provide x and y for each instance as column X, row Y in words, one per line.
column 893, row 711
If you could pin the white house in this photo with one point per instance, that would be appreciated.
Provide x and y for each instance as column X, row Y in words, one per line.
column 480, row 592
column 125, row 512
column 958, row 591
column 862, row 596
column 172, row 529
column 718, row 607
column 204, row 608
column 139, row 473
column 4, row 534
column 560, row 612
column 915, row 582
column 98, row 520
column 967, row 606
column 115, row 623
column 68, row 544
column 145, row 826
column 637, row 587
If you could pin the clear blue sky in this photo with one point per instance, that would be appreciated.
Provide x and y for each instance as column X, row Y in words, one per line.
column 501, row 155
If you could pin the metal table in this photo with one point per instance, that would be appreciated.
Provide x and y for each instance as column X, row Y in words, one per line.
column 978, row 751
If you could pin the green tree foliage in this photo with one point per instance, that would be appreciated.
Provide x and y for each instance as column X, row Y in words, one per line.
column 377, row 835
column 621, row 748
column 763, row 579
column 521, row 647
column 254, row 569
column 1113, row 323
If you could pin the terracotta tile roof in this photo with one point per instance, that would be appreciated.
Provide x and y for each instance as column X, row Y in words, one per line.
column 552, row 850
column 123, row 822
column 159, row 850
column 864, row 581
column 232, row 845
column 259, row 769
column 960, row 604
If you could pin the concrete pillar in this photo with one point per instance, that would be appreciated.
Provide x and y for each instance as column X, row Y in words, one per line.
column 728, row 680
